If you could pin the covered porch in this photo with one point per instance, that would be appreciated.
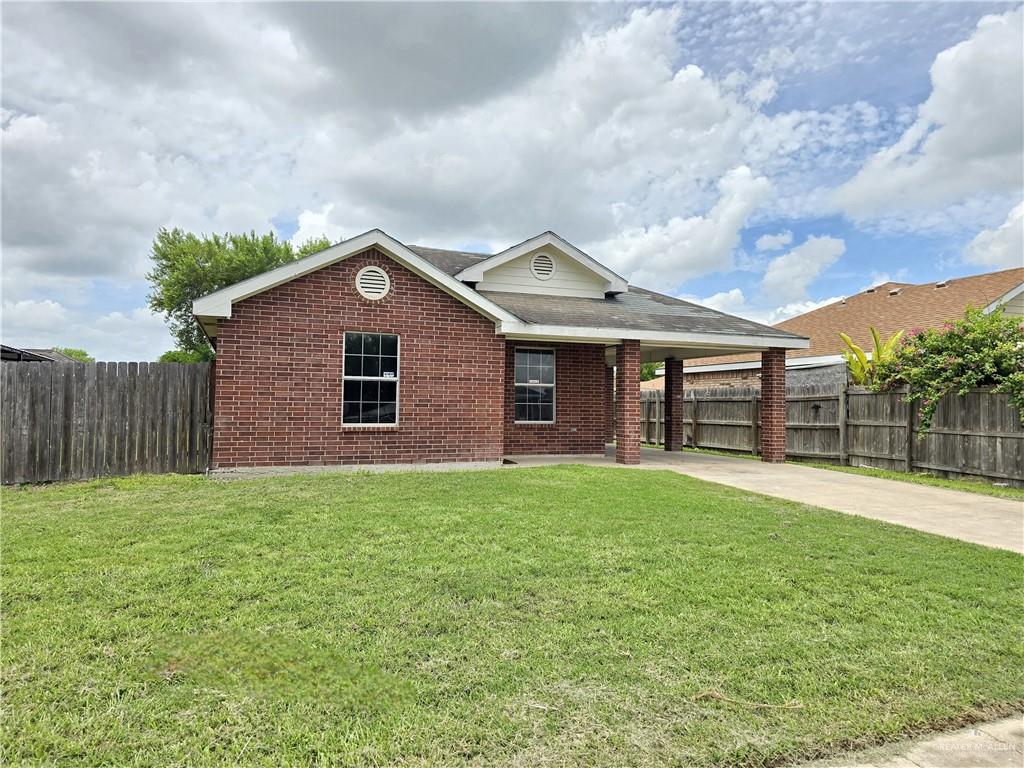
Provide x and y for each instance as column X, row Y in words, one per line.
column 622, row 380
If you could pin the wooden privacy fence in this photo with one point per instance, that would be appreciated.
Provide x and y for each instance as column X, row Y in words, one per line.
column 71, row 421
column 977, row 435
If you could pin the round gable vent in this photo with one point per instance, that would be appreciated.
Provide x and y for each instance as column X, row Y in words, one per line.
column 542, row 266
column 373, row 283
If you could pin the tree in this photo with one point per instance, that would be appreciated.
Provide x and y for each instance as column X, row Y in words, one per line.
column 181, row 356
column 862, row 369
column 649, row 371
column 977, row 350
column 187, row 266
column 78, row 354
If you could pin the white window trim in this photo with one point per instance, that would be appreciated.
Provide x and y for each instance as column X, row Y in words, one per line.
column 553, row 384
column 397, row 380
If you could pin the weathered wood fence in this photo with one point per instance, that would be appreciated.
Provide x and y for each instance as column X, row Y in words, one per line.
column 71, row 421
column 977, row 435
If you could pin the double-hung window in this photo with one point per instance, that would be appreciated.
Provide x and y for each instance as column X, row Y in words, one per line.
column 370, row 379
column 535, row 385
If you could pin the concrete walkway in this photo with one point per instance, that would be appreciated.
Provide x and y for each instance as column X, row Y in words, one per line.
column 986, row 520
column 999, row 744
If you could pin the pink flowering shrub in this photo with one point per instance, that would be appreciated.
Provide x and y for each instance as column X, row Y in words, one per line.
column 976, row 351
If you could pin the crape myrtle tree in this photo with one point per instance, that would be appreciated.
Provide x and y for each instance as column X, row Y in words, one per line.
column 187, row 266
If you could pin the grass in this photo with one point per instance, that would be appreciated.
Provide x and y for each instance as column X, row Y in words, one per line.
column 921, row 478
column 550, row 616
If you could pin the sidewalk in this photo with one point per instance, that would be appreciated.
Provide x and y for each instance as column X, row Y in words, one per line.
column 998, row 744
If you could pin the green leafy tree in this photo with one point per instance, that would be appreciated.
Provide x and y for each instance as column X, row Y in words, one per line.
column 187, row 266
column 649, row 371
column 78, row 354
column 862, row 368
column 181, row 356
column 977, row 350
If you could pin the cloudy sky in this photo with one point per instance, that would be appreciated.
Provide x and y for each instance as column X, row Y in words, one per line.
column 759, row 158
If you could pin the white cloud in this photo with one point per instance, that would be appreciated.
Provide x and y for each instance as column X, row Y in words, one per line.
column 878, row 278
column 314, row 224
column 795, row 308
column 135, row 335
column 734, row 302
column 774, row 242
column 789, row 275
column 967, row 138
column 667, row 255
column 1001, row 248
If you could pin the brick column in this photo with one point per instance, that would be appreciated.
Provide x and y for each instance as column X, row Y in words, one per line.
column 627, row 402
column 675, row 426
column 773, row 405
column 609, row 404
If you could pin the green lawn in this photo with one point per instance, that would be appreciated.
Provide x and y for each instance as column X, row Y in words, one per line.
column 971, row 486
column 554, row 616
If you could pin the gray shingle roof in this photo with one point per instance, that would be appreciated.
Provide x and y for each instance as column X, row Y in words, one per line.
column 451, row 262
column 637, row 309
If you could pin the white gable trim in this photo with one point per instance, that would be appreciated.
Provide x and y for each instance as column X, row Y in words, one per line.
column 218, row 304
column 1011, row 294
column 475, row 273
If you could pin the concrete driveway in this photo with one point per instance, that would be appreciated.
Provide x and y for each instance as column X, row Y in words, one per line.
column 967, row 516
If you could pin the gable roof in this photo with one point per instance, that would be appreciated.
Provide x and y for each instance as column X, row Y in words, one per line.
column 632, row 313
column 889, row 307
column 474, row 273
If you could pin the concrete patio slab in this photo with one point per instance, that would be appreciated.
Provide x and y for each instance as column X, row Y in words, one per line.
column 986, row 520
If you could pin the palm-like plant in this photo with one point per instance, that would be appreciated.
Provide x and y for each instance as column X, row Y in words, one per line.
column 861, row 367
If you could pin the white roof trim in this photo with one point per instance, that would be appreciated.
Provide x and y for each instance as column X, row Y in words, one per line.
column 791, row 362
column 218, row 304
column 475, row 273
column 1011, row 294
column 668, row 338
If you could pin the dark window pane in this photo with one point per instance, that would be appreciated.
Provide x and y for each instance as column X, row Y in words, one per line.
column 389, row 345
column 353, row 343
column 388, row 390
column 547, row 413
column 547, row 374
column 389, row 367
column 353, row 365
column 369, row 413
column 521, row 412
column 547, row 394
column 352, row 391
column 371, row 344
column 388, row 411
column 535, row 358
column 370, row 392
column 350, row 414
column 522, row 394
column 534, row 395
column 371, row 366
column 533, row 412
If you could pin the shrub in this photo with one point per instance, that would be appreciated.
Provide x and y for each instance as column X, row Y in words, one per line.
column 977, row 350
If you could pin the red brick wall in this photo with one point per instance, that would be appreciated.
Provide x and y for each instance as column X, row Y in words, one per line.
column 627, row 402
column 675, row 422
column 279, row 374
column 579, row 403
column 773, row 405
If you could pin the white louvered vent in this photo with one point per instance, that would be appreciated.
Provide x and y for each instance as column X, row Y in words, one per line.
column 542, row 266
column 373, row 283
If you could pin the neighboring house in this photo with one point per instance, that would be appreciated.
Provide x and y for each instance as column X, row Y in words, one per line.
column 889, row 307
column 34, row 355
column 372, row 351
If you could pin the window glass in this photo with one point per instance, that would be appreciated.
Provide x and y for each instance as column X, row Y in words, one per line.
column 535, row 385
column 370, row 386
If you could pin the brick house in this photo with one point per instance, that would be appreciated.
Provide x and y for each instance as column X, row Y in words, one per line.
column 372, row 351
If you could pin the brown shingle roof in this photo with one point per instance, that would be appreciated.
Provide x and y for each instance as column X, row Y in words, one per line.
column 889, row 307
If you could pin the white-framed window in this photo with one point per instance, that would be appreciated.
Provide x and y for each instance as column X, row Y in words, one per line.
column 535, row 385
column 370, row 380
